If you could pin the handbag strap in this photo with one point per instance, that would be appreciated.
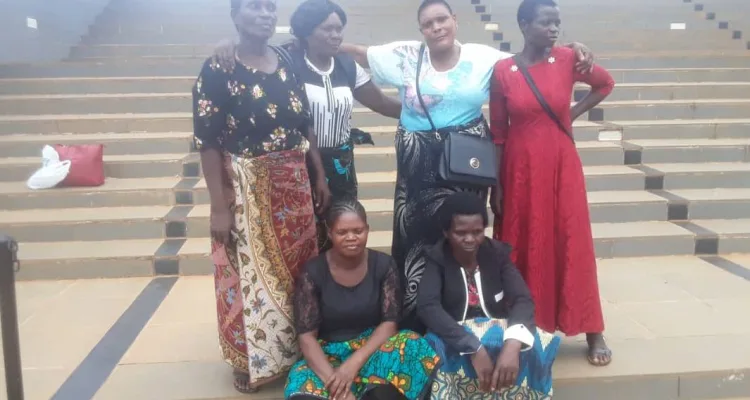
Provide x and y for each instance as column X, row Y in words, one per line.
column 419, row 93
column 540, row 98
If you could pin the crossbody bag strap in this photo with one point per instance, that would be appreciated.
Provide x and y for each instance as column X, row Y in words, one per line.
column 420, row 59
column 540, row 98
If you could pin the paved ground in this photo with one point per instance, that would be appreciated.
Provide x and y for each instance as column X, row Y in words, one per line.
column 668, row 320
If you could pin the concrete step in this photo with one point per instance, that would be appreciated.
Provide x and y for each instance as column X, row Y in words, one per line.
column 146, row 257
column 104, row 103
column 149, row 121
column 99, row 96
column 672, row 59
column 149, row 102
column 691, row 150
column 636, row 84
column 675, row 129
column 154, row 222
column 675, row 74
column 114, row 193
column 675, row 109
column 666, row 91
column 667, row 40
column 122, row 166
column 118, row 192
column 368, row 158
column 182, row 121
column 614, row 59
column 30, row 145
column 135, row 31
column 23, row 150
column 103, row 85
column 696, row 176
column 681, row 72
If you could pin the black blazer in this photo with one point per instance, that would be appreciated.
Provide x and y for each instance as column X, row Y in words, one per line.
column 442, row 299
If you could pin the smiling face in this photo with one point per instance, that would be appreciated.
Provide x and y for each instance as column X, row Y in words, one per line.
column 348, row 234
column 544, row 29
column 466, row 234
column 326, row 38
column 438, row 26
column 255, row 18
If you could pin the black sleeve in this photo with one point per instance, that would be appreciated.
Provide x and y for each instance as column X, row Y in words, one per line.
column 517, row 295
column 391, row 293
column 430, row 310
column 210, row 96
column 306, row 305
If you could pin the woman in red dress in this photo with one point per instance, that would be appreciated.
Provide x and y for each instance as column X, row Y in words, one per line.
column 540, row 205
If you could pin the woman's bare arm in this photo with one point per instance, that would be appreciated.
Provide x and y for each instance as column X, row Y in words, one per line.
column 356, row 51
column 373, row 98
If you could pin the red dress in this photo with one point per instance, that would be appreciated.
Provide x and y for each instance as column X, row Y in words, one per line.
column 545, row 209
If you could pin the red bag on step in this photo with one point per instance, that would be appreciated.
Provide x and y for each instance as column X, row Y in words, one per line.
column 86, row 164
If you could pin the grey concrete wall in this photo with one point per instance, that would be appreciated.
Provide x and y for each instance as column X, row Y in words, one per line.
column 61, row 23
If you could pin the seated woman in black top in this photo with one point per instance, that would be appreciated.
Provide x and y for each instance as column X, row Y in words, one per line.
column 346, row 309
column 495, row 347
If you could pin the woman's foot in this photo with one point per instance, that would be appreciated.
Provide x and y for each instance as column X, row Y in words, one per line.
column 242, row 382
column 599, row 354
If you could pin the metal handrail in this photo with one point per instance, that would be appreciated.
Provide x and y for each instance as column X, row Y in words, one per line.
column 9, row 265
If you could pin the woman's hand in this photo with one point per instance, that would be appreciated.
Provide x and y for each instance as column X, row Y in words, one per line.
column 339, row 384
column 506, row 367
column 224, row 53
column 584, row 56
column 222, row 222
column 321, row 195
column 482, row 364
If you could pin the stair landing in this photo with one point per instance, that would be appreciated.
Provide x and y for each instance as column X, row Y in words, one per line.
column 155, row 338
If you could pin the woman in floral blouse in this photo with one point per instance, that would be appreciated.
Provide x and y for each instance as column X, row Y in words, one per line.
column 253, row 128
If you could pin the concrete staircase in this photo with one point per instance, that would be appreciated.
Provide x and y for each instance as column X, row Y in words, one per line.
column 667, row 156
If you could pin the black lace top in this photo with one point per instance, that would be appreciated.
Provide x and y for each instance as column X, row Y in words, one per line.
column 340, row 313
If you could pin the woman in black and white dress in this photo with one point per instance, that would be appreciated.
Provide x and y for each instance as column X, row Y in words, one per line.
column 333, row 82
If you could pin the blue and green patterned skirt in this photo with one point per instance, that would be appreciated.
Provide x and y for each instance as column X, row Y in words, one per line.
column 405, row 361
column 457, row 380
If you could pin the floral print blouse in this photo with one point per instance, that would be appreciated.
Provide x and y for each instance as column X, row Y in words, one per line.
column 247, row 112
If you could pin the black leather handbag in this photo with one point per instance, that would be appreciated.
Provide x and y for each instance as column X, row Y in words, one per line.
column 469, row 157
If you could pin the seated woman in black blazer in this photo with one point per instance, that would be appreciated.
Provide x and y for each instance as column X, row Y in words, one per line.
column 479, row 313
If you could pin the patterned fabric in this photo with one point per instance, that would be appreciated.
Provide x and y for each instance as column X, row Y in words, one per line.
column 274, row 236
column 456, row 378
column 248, row 112
column 405, row 361
column 338, row 164
column 454, row 97
column 545, row 216
column 418, row 197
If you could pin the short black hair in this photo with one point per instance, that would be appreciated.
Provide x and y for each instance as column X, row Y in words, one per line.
column 427, row 3
column 462, row 203
column 310, row 14
column 528, row 8
column 341, row 207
